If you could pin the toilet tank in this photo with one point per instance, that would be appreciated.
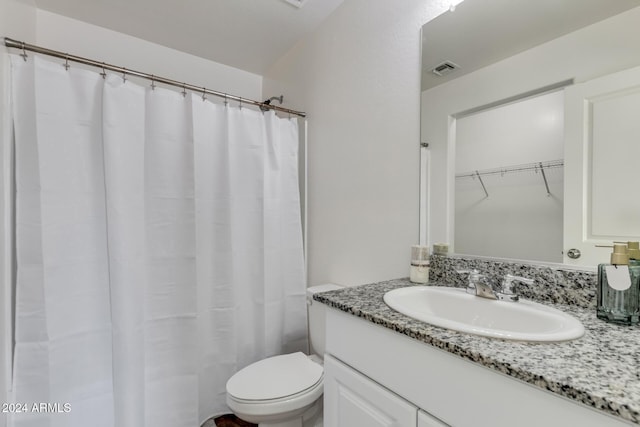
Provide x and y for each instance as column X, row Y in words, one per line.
column 316, row 314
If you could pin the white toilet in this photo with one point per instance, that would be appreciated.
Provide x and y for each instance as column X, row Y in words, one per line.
column 285, row 390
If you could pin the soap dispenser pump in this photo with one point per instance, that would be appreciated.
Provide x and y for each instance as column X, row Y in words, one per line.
column 618, row 295
column 634, row 254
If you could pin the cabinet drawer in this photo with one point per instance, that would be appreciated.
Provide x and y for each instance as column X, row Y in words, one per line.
column 352, row 399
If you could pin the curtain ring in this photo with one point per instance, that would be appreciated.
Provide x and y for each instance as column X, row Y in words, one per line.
column 226, row 101
column 66, row 62
column 204, row 94
column 124, row 75
column 184, row 90
column 240, row 106
column 24, row 53
column 153, row 82
column 103, row 73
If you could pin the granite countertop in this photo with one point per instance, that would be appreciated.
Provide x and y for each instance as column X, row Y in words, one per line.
column 600, row 370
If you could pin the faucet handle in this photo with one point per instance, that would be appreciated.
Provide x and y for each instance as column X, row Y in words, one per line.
column 507, row 290
column 474, row 278
column 474, row 275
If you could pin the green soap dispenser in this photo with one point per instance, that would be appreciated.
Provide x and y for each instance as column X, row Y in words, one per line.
column 618, row 292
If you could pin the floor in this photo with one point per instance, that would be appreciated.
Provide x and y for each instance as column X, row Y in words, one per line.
column 227, row 421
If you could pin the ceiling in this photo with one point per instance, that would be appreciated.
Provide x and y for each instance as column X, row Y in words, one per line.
column 480, row 32
column 246, row 34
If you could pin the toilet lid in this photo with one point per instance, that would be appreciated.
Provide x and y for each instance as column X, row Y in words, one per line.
column 275, row 377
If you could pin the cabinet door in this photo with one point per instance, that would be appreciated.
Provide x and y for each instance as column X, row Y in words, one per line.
column 426, row 420
column 351, row 399
column 601, row 162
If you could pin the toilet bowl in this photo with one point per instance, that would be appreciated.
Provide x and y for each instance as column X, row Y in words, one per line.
column 284, row 390
column 277, row 389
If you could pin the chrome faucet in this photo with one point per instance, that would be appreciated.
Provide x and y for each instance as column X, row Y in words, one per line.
column 508, row 288
column 477, row 286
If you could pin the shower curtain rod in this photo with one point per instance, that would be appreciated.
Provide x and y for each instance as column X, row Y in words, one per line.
column 8, row 42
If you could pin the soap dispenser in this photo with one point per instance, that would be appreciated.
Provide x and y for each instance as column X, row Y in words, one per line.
column 618, row 295
column 634, row 254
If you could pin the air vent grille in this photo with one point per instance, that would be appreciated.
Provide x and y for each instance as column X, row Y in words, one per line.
column 296, row 3
column 444, row 68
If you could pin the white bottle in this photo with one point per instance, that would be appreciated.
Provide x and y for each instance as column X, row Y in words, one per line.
column 419, row 271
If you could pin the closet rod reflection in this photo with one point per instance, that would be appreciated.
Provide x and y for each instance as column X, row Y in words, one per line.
column 538, row 166
column 11, row 43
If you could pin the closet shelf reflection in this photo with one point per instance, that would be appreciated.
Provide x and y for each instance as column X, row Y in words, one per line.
column 535, row 167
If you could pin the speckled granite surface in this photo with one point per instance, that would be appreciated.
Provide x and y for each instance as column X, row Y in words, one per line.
column 555, row 285
column 601, row 369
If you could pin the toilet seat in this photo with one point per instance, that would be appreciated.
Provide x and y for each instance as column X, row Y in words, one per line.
column 286, row 384
column 275, row 378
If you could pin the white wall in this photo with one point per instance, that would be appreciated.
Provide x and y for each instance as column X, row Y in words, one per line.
column 531, row 130
column 582, row 55
column 518, row 219
column 358, row 78
column 17, row 20
column 79, row 38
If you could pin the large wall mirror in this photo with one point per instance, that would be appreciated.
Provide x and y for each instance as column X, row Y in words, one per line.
column 530, row 128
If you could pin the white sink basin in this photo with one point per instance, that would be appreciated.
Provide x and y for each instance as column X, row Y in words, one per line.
column 453, row 308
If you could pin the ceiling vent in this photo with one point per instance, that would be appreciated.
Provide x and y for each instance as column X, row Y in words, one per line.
column 296, row 3
column 445, row 68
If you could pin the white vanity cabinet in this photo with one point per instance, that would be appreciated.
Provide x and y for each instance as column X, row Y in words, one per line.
column 377, row 377
column 351, row 399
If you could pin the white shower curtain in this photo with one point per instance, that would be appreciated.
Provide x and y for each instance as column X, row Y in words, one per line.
column 159, row 249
